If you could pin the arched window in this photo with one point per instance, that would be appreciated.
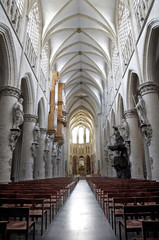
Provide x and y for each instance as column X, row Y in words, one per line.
column 125, row 33
column 81, row 135
column 74, row 135
column 87, row 135
column 20, row 5
column 45, row 60
column 141, row 8
column 33, row 29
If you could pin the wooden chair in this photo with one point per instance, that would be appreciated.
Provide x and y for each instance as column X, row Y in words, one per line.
column 15, row 224
column 31, row 203
column 117, row 211
column 133, row 216
column 149, row 227
column 3, row 229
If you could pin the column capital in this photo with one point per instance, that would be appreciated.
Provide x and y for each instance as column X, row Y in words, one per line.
column 10, row 91
column 148, row 87
column 43, row 130
column 131, row 113
column 30, row 118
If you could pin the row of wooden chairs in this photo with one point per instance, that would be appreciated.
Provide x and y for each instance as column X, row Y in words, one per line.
column 37, row 197
column 119, row 196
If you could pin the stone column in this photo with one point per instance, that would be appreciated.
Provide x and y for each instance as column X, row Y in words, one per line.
column 48, row 162
column 39, row 172
column 135, row 144
column 8, row 138
column 27, row 159
column 149, row 93
column 54, row 159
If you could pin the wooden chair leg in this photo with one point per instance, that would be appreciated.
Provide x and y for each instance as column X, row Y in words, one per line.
column 34, row 231
column 120, row 231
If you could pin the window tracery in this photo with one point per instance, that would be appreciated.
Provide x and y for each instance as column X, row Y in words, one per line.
column 20, row 5
column 14, row 11
column 45, row 60
column 33, row 35
column 125, row 33
column 44, row 66
column 33, row 26
column 141, row 8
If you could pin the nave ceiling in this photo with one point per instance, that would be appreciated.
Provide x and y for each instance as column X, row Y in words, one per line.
column 79, row 32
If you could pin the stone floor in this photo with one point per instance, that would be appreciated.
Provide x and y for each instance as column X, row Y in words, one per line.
column 81, row 218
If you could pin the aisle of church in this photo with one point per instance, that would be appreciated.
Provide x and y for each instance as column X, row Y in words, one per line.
column 80, row 219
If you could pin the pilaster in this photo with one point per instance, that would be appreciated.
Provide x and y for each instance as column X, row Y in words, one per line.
column 8, row 97
column 149, row 93
column 135, row 144
column 27, row 159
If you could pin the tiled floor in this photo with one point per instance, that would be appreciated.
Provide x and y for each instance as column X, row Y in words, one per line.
column 80, row 218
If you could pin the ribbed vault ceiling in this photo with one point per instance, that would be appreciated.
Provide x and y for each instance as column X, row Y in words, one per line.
column 80, row 32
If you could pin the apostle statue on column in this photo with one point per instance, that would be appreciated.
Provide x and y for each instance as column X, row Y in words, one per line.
column 18, row 114
column 36, row 133
column 141, row 110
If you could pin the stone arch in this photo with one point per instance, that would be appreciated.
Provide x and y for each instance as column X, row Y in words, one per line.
column 151, row 53
column 133, row 83
column 8, row 70
column 28, row 93
column 112, row 121
column 41, row 113
column 120, row 110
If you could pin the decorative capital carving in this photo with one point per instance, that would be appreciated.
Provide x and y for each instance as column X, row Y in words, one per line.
column 59, row 139
column 52, row 131
column 148, row 87
column 130, row 113
column 10, row 91
column 30, row 118
column 43, row 130
column 13, row 138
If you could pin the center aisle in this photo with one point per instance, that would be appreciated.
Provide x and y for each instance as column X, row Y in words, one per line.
column 81, row 218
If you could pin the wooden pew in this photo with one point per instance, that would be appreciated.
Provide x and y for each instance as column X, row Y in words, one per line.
column 17, row 225
column 133, row 216
column 117, row 210
column 31, row 203
column 149, row 227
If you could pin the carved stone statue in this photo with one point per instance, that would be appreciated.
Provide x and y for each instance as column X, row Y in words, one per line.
column 141, row 110
column 125, row 129
column 121, row 162
column 36, row 133
column 18, row 115
column 47, row 142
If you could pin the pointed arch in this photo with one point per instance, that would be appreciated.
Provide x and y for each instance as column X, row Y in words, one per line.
column 120, row 110
column 151, row 52
column 132, row 85
column 42, row 117
column 8, row 71
column 28, row 93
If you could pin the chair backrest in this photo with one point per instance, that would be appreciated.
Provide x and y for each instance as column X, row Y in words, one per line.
column 14, row 212
column 151, row 210
column 149, row 226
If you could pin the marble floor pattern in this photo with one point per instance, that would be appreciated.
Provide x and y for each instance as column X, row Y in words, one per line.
column 81, row 218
